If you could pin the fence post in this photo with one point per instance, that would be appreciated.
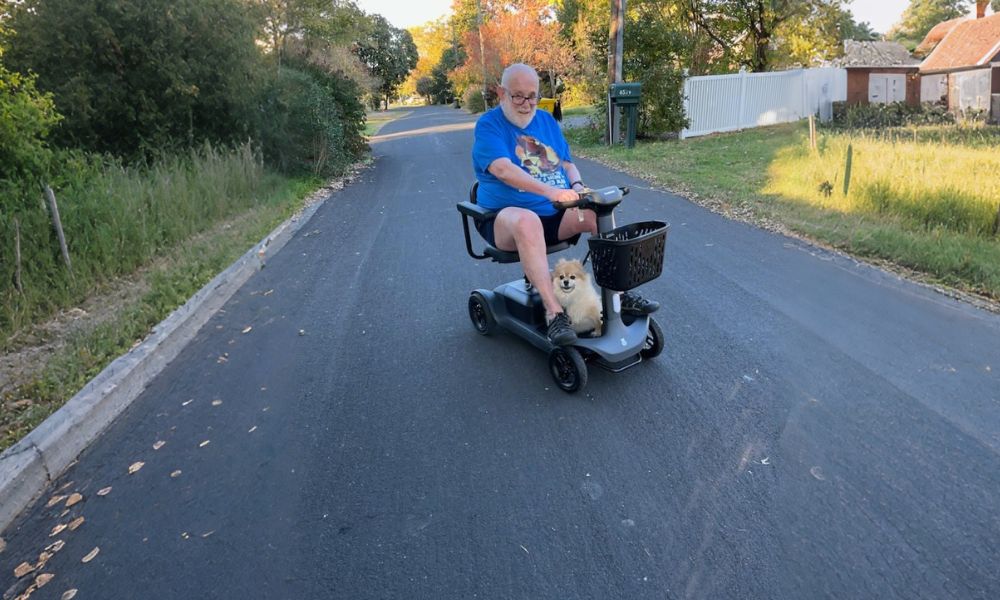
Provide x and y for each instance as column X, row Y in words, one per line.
column 57, row 223
column 996, row 222
column 17, row 256
column 741, row 117
column 687, row 105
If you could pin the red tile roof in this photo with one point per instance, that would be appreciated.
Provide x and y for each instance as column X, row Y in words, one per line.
column 935, row 35
column 970, row 43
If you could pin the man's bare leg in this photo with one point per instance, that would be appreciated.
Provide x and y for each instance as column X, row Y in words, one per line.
column 520, row 230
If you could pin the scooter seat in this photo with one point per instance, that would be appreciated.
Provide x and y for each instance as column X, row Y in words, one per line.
column 470, row 209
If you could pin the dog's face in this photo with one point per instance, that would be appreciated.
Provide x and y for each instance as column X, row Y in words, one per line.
column 568, row 275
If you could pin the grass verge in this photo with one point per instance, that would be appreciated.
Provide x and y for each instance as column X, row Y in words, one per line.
column 171, row 279
column 913, row 201
column 376, row 120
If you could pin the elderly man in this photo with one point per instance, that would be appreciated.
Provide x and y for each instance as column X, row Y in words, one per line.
column 525, row 171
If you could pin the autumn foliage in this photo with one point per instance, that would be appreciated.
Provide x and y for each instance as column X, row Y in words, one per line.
column 519, row 31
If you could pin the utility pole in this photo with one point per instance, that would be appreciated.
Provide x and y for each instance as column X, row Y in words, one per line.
column 482, row 50
column 616, row 47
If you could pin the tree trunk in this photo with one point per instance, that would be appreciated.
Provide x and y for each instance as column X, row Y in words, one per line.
column 761, row 43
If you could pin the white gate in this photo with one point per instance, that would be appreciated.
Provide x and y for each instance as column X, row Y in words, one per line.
column 886, row 88
column 717, row 103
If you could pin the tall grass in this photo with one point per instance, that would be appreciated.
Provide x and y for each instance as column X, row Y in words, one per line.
column 922, row 184
column 116, row 220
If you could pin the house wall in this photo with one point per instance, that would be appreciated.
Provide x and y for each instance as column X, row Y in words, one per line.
column 857, row 84
column 996, row 81
column 969, row 90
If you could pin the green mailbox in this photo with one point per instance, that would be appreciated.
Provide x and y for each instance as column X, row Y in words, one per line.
column 625, row 96
column 626, row 93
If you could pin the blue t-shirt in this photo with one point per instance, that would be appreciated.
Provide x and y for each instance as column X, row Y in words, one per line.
column 539, row 149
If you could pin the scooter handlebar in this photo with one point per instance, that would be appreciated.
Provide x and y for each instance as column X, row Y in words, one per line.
column 607, row 197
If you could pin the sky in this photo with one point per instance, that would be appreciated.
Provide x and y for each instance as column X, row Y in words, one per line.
column 881, row 14
column 406, row 13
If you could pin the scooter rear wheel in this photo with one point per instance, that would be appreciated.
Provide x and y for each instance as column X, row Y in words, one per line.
column 568, row 368
column 481, row 314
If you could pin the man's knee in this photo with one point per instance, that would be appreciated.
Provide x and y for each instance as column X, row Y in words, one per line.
column 524, row 224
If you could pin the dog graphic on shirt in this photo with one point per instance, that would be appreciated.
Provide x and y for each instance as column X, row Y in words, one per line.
column 536, row 157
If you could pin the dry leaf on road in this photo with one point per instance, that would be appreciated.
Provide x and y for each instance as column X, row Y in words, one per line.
column 73, row 499
column 134, row 467
column 104, row 491
column 23, row 569
column 90, row 555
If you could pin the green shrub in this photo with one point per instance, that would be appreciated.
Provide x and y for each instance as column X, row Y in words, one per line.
column 302, row 127
column 139, row 78
column 26, row 116
column 896, row 114
column 472, row 100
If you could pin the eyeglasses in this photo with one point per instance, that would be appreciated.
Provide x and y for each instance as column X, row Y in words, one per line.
column 519, row 99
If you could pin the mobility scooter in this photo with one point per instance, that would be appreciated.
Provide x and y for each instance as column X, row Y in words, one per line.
column 622, row 257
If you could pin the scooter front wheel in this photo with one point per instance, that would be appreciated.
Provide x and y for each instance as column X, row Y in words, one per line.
column 481, row 314
column 568, row 368
column 653, row 345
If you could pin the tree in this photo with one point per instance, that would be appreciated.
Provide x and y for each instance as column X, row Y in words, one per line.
column 995, row 5
column 817, row 38
column 390, row 55
column 656, row 46
column 442, row 91
column 431, row 39
column 136, row 78
column 28, row 116
column 282, row 21
column 745, row 29
column 853, row 30
column 425, row 88
column 519, row 31
column 921, row 16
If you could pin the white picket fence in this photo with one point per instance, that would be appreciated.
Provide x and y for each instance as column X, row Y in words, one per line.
column 717, row 103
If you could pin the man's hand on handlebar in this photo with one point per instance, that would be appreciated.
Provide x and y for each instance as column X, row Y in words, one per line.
column 562, row 196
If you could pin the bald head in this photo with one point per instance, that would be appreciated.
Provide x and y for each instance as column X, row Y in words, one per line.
column 520, row 73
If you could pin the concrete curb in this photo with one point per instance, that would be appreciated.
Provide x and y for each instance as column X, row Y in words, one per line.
column 28, row 466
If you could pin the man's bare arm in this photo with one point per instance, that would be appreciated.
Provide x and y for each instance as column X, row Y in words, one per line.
column 509, row 173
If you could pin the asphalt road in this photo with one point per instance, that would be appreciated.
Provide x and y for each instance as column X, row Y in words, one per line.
column 815, row 428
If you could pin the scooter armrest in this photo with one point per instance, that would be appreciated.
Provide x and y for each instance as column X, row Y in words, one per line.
column 475, row 211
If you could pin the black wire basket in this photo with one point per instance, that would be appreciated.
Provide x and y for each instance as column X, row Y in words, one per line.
column 628, row 256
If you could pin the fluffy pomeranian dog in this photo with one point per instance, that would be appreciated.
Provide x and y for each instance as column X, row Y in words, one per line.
column 577, row 296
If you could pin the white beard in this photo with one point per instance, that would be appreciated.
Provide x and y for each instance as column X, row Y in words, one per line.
column 519, row 119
